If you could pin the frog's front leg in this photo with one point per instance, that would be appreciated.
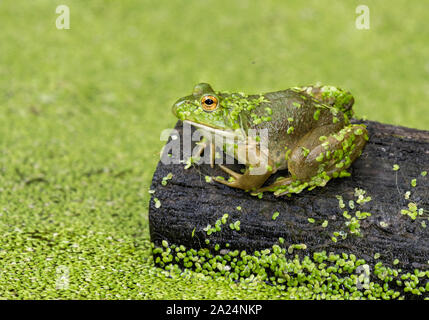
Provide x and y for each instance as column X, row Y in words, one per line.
column 317, row 158
column 202, row 145
column 258, row 169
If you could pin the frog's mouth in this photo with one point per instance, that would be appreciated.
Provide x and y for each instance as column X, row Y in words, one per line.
column 237, row 134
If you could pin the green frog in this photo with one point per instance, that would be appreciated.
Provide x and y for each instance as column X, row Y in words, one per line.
column 306, row 130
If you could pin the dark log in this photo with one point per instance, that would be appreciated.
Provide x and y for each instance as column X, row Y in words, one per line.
column 189, row 203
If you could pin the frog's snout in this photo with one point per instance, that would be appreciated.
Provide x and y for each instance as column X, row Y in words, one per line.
column 177, row 104
column 174, row 109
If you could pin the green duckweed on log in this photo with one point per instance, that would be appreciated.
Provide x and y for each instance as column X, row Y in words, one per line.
column 351, row 239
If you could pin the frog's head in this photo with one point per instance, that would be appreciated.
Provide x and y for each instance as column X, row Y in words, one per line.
column 205, row 109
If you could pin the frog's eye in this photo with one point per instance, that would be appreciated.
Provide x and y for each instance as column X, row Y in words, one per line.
column 209, row 103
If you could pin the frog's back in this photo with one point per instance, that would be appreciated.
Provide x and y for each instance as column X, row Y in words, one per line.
column 294, row 114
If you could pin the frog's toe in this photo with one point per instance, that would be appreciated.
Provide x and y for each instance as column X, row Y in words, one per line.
column 241, row 182
column 212, row 154
column 231, row 182
column 280, row 182
column 232, row 173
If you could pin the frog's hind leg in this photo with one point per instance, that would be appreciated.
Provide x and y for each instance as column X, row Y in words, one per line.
column 330, row 158
column 317, row 158
column 298, row 166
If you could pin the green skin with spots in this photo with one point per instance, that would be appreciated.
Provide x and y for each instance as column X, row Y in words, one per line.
column 309, row 133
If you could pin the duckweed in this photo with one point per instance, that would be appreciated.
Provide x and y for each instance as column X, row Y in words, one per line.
column 384, row 224
column 360, row 194
column 217, row 226
column 321, row 275
column 235, row 225
column 166, row 178
column 305, row 151
column 316, row 114
column 413, row 211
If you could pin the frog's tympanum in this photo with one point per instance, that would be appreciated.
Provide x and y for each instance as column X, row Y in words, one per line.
column 308, row 132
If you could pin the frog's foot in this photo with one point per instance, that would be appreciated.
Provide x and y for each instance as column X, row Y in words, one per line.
column 244, row 181
column 278, row 183
column 285, row 186
column 202, row 145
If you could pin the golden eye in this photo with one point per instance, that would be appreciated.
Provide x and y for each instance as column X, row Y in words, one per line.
column 209, row 103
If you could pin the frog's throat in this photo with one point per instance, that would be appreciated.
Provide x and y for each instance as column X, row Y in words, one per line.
column 228, row 134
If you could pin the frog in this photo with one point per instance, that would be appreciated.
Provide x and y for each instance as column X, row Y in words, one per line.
column 308, row 130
